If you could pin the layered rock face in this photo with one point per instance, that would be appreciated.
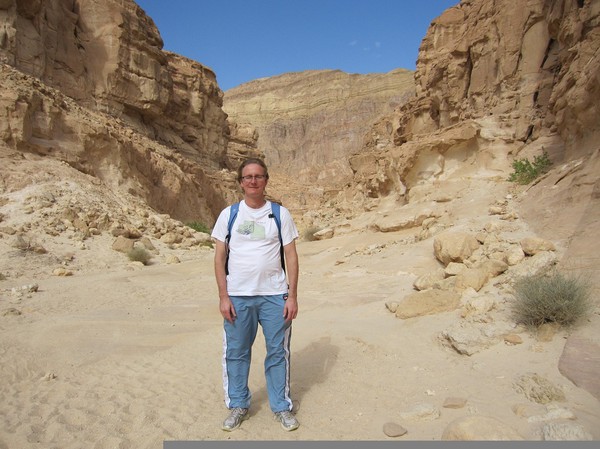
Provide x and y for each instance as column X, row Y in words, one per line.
column 98, row 92
column 309, row 123
column 492, row 81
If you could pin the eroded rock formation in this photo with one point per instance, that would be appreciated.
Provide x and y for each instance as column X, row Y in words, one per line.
column 492, row 81
column 95, row 89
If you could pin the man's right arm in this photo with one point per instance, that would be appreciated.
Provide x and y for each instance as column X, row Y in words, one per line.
column 225, row 304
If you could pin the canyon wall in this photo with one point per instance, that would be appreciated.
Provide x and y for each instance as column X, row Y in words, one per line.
column 98, row 92
column 492, row 82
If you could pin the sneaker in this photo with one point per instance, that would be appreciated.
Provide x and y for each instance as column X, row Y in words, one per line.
column 288, row 420
column 235, row 418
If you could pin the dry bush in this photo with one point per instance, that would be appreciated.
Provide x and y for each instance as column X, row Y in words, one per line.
column 140, row 255
column 553, row 298
column 309, row 234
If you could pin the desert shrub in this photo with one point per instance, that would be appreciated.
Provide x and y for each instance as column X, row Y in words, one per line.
column 554, row 298
column 138, row 254
column 309, row 234
column 526, row 171
column 199, row 227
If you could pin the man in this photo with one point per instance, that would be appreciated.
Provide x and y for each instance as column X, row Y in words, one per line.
column 253, row 289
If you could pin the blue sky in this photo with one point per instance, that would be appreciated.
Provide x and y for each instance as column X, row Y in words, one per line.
column 242, row 40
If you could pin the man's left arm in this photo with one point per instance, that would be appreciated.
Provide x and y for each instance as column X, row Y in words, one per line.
column 290, row 311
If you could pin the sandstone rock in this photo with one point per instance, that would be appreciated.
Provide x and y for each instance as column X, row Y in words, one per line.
column 324, row 234
column 171, row 237
column 478, row 305
column 123, row 244
column 470, row 338
column 388, row 224
column 514, row 255
column 538, row 264
column 454, row 402
column 422, row 412
column 538, row 389
column 474, row 278
column 427, row 302
column 392, row 306
column 527, row 410
column 479, row 428
column 580, row 363
column 513, row 339
column 393, row 430
column 454, row 247
column 428, row 280
column 546, row 331
column 454, row 268
column 564, row 431
column 493, row 267
column 147, row 243
column 172, row 259
column 552, row 413
column 534, row 245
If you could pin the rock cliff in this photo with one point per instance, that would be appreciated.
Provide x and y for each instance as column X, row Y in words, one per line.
column 493, row 81
column 95, row 89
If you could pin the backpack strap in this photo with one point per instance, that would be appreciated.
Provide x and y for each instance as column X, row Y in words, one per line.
column 275, row 213
column 233, row 211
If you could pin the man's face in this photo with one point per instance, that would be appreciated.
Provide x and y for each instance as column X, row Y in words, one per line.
column 253, row 180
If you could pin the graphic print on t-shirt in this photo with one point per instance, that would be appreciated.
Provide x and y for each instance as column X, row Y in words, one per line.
column 253, row 229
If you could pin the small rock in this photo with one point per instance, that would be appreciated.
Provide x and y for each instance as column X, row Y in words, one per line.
column 392, row 306
column 534, row 245
column 479, row 428
column 513, row 339
column 546, row 331
column 172, row 259
column 558, row 431
column 422, row 412
column 454, row 402
column 391, row 429
column 11, row 312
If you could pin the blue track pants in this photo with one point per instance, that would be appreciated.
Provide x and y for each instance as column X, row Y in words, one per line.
column 237, row 350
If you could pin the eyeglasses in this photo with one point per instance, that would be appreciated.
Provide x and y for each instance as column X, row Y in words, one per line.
column 249, row 178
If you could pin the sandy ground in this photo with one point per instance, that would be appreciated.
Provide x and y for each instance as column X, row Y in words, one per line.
column 119, row 355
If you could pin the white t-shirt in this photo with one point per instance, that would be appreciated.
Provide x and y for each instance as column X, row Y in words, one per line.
column 254, row 260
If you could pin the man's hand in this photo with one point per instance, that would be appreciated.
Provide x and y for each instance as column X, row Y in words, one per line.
column 227, row 309
column 290, row 309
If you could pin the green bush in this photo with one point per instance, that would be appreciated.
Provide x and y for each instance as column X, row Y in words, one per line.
column 554, row 298
column 138, row 254
column 199, row 227
column 525, row 171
